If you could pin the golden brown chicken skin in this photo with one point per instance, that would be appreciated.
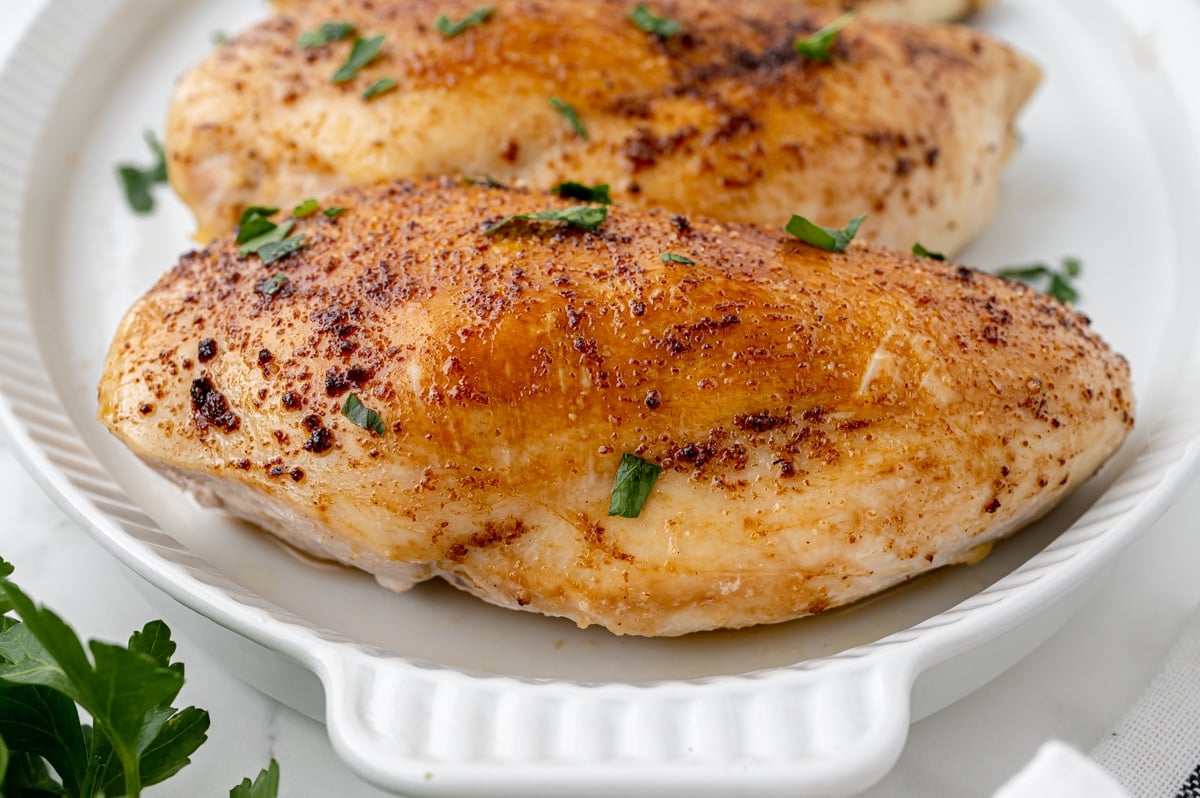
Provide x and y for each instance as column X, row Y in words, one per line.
column 827, row 424
column 910, row 124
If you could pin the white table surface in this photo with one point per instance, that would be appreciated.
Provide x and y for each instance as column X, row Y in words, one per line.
column 1075, row 687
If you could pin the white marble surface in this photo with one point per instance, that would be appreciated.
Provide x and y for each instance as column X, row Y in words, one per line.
column 1075, row 687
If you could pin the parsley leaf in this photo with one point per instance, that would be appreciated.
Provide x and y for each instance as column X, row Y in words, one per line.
column 584, row 193
column 825, row 238
column 819, row 46
column 273, row 284
column 266, row 785
column 273, row 234
column 449, row 28
column 634, row 481
column 306, row 209
column 328, row 33
column 362, row 415
column 219, row 37
column 1056, row 282
column 660, row 26
column 588, row 217
column 921, row 252
column 570, row 114
column 254, row 223
column 276, row 250
column 381, row 86
column 137, row 182
column 671, row 257
column 482, row 180
column 333, row 213
column 364, row 52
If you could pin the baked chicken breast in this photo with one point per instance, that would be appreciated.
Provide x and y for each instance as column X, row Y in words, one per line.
column 910, row 124
column 915, row 12
column 827, row 424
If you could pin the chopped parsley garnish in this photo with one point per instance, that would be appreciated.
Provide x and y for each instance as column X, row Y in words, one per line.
column 634, row 481
column 272, row 235
column 921, row 252
column 671, row 257
column 584, row 193
column 588, row 217
column 254, row 223
column 334, row 212
column 273, row 284
column 648, row 22
column 137, row 182
column 482, row 180
column 274, row 250
column 306, row 208
column 449, row 28
column 364, row 52
column 570, row 114
column 819, row 46
column 134, row 738
column 328, row 33
column 381, row 86
column 1055, row 282
column 362, row 415
column 825, row 238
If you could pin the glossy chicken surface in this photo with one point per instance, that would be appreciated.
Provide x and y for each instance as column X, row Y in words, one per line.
column 827, row 424
column 912, row 125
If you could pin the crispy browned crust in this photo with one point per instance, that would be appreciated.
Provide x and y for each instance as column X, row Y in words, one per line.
column 829, row 424
column 911, row 125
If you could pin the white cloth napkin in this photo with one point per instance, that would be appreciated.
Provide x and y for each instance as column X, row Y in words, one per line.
column 1154, row 752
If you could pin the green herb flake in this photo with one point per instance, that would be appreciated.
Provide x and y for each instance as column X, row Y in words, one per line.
column 826, row 238
column 381, row 86
column 570, row 114
column 327, row 34
column 587, row 217
column 819, row 46
column 334, row 212
column 449, row 28
column 219, row 37
column 272, row 235
column 1055, row 283
column 362, row 415
column 648, row 22
column 482, row 180
column 364, row 52
column 273, row 284
column 306, row 209
column 671, row 257
column 277, row 250
column 137, row 182
column 921, row 252
column 634, row 481
column 578, row 191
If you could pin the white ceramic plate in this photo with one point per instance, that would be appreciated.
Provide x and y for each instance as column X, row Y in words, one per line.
column 433, row 692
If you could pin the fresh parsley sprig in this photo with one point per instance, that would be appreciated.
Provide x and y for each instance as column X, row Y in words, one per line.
column 819, row 46
column 632, row 485
column 571, row 115
column 569, row 189
column 138, row 182
column 136, row 739
column 362, row 53
column 587, row 217
column 1055, row 282
column 826, row 238
column 649, row 22
column 450, row 28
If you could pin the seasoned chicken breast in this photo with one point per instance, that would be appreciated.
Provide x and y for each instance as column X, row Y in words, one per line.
column 910, row 124
column 827, row 425
column 915, row 12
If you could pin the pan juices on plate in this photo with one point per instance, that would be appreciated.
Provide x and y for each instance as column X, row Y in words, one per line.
column 747, row 111
column 628, row 417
